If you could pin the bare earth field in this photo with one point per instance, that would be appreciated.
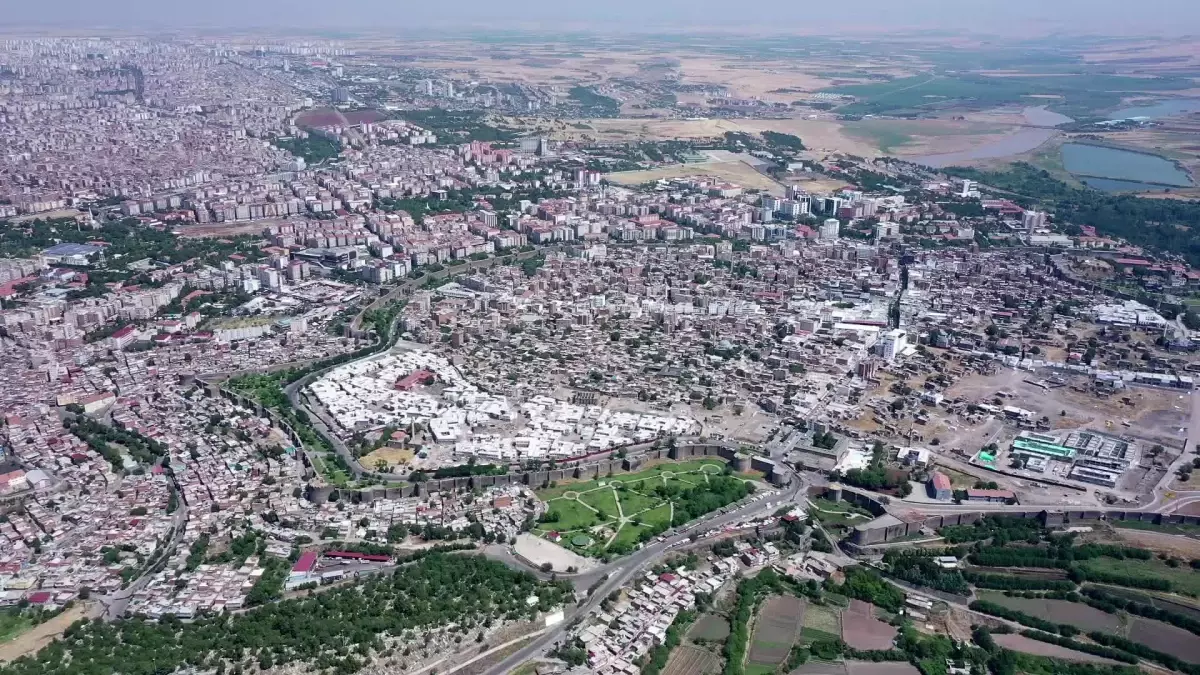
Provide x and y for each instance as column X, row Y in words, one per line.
column 392, row 456
column 735, row 172
column 1020, row 643
column 861, row 630
column 1184, row 547
column 687, row 660
column 39, row 636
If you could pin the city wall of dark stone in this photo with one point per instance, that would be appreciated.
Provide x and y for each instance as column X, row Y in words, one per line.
column 566, row 471
column 583, row 469
column 870, row 534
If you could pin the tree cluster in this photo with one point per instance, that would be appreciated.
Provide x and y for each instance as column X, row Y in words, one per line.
column 342, row 629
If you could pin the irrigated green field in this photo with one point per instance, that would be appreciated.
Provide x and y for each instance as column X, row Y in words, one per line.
column 1183, row 578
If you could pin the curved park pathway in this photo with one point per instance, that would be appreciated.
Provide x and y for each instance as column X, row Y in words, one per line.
column 617, row 486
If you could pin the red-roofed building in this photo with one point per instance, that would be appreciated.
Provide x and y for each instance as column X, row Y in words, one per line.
column 304, row 571
column 13, row 481
column 40, row 598
column 1132, row 262
column 939, row 486
column 123, row 337
column 410, row 381
column 305, row 564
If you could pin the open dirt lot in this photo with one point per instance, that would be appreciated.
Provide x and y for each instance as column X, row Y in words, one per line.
column 734, row 172
column 1020, row 643
column 1158, row 411
column 39, row 636
column 861, row 630
column 775, row 630
column 392, row 456
column 1183, row 547
column 538, row 551
column 688, row 660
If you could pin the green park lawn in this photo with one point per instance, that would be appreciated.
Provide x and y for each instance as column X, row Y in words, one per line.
column 573, row 506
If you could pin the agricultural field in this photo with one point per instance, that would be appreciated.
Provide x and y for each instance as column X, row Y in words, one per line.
column 1165, row 638
column 1183, row 579
column 820, row 623
column 1020, row 643
column 709, row 628
column 861, row 630
column 880, row 668
column 1154, row 600
column 1077, row 95
column 615, row 515
column 688, row 660
column 820, row 668
column 774, row 633
column 1082, row 616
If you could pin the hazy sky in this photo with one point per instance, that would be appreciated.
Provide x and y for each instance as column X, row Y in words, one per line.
column 1038, row 17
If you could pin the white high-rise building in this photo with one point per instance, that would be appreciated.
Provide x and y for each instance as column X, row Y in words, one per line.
column 269, row 278
column 830, row 229
column 892, row 344
column 1033, row 220
column 966, row 188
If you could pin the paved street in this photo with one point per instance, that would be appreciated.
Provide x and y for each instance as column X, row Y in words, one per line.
column 622, row 571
